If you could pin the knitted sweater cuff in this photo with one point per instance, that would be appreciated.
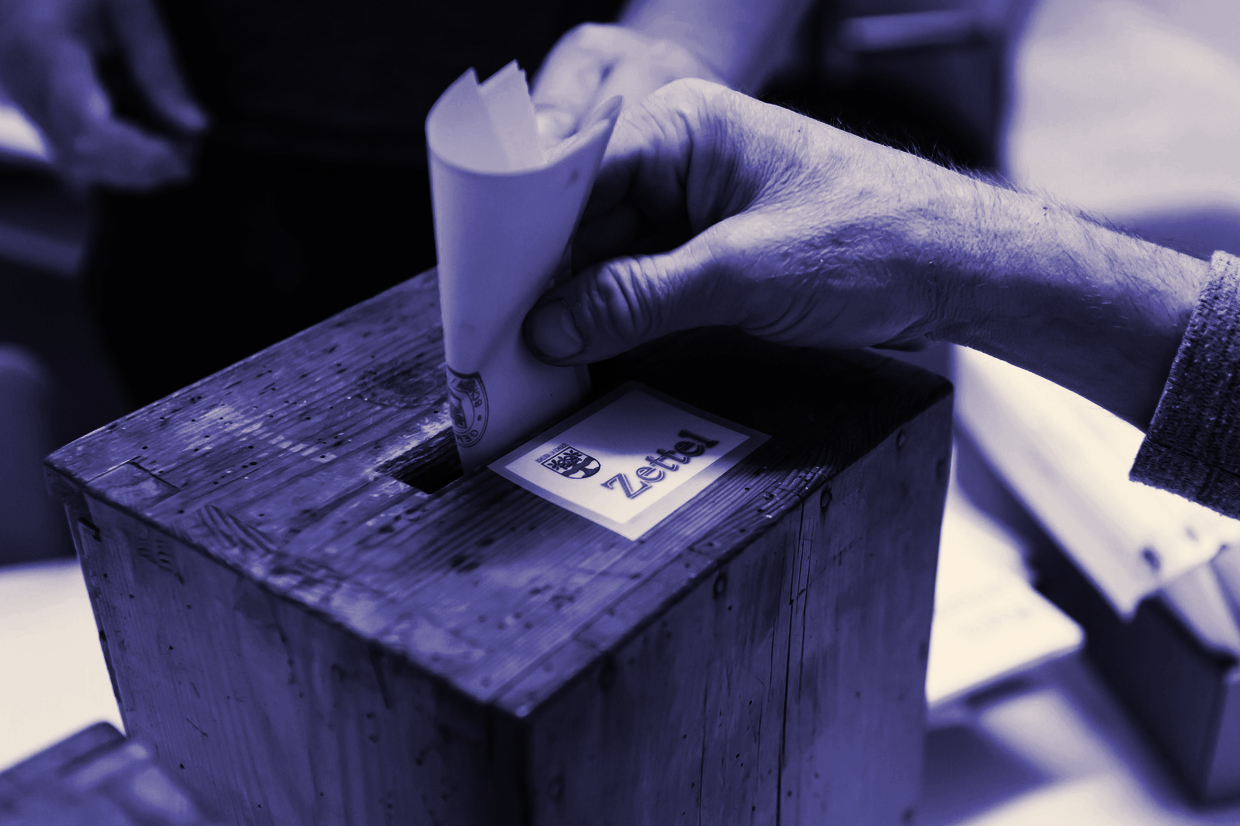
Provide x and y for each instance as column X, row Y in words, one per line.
column 1192, row 447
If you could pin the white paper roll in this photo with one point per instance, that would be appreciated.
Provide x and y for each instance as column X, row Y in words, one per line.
column 504, row 216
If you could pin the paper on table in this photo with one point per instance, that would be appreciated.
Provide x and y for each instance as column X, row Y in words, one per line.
column 504, row 216
column 19, row 140
column 989, row 622
column 1068, row 461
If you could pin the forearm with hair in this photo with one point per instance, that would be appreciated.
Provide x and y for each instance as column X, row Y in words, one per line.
column 1048, row 289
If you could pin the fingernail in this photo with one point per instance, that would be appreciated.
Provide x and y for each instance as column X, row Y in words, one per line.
column 552, row 333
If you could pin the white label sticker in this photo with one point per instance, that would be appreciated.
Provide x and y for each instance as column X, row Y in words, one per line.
column 629, row 460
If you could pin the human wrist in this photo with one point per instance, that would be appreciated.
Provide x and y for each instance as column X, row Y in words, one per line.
column 922, row 229
column 1090, row 308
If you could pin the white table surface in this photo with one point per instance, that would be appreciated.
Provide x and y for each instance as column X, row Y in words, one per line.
column 53, row 680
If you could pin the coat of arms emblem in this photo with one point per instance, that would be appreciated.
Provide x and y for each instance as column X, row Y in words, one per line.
column 567, row 460
column 467, row 405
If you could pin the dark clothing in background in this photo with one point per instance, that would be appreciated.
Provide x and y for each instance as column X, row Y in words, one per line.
column 311, row 190
column 191, row 279
column 353, row 81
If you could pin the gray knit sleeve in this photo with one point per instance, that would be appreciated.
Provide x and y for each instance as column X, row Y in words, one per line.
column 1193, row 444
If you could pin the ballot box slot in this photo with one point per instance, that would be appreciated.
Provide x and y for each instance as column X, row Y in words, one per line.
column 431, row 466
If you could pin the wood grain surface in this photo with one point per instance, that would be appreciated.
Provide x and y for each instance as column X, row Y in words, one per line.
column 304, row 605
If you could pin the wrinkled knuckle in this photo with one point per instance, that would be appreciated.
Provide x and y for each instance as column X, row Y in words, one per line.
column 702, row 101
column 691, row 88
column 626, row 301
column 588, row 35
column 678, row 98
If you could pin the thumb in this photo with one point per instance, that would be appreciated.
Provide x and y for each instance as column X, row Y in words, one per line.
column 618, row 305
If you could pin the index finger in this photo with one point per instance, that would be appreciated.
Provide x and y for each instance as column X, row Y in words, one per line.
column 85, row 139
column 635, row 197
column 668, row 171
column 568, row 84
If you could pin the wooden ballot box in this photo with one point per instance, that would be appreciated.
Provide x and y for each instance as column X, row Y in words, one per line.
column 313, row 618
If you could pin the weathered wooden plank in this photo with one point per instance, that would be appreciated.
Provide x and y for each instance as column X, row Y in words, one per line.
column 746, row 697
column 864, row 613
column 275, row 714
column 668, row 726
column 355, row 354
column 287, row 501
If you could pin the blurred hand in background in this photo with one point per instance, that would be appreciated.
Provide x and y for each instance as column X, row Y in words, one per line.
column 595, row 62
column 51, row 54
column 738, row 43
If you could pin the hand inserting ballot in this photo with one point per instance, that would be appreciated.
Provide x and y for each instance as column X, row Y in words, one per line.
column 800, row 233
column 789, row 229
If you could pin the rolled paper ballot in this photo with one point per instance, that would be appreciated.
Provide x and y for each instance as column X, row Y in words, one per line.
column 505, row 212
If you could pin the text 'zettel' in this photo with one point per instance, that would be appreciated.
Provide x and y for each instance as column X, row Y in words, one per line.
column 666, row 461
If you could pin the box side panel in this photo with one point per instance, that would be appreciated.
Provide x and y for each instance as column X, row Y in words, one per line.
column 856, row 687
column 786, row 686
column 88, row 544
column 266, row 711
column 682, row 723
column 747, row 691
